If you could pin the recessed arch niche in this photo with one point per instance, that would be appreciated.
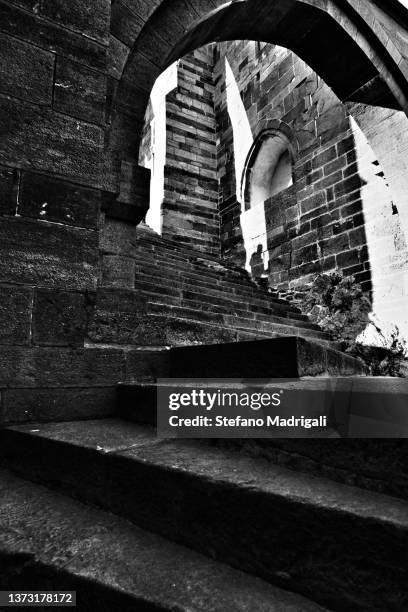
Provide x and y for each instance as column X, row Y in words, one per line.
column 269, row 167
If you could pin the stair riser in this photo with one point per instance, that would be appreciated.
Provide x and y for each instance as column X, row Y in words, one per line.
column 216, row 299
column 281, row 357
column 281, row 539
column 137, row 403
column 375, row 465
column 263, row 324
column 222, row 288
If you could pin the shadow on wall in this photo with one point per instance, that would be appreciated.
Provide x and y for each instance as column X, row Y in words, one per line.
column 302, row 198
column 257, row 264
column 339, row 213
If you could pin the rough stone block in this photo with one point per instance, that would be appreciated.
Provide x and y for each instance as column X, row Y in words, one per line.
column 50, row 36
column 125, row 24
column 8, row 191
column 35, row 137
column 134, row 184
column 15, row 315
column 117, row 316
column 122, row 140
column 348, row 258
column 59, row 318
column 79, row 91
column 118, row 238
column 46, row 254
column 42, row 197
column 312, row 202
column 118, row 53
column 118, row 271
column 90, row 18
column 305, row 255
column 26, row 71
column 56, row 404
column 154, row 48
column 60, row 367
column 332, row 123
column 127, row 328
column 141, row 7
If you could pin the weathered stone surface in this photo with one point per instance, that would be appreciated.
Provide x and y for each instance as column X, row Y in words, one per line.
column 118, row 271
column 278, row 357
column 374, row 464
column 48, row 199
column 141, row 7
column 156, row 49
column 34, row 137
column 15, row 315
column 56, row 404
column 50, row 36
column 116, row 316
column 46, row 254
column 60, row 367
column 118, row 238
column 90, row 18
column 26, row 71
column 8, row 191
column 79, row 91
column 117, row 56
column 240, row 494
column 125, row 24
column 60, row 318
column 54, row 540
column 136, row 328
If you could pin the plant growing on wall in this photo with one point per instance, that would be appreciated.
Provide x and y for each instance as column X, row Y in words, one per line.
column 341, row 308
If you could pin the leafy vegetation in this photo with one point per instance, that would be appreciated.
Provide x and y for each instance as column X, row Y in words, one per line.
column 341, row 308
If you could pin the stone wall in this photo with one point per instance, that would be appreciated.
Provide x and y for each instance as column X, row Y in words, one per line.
column 342, row 210
column 340, row 213
column 52, row 123
column 188, row 173
column 75, row 79
column 191, row 181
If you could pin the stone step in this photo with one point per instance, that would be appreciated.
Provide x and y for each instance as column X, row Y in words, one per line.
column 49, row 541
column 215, row 316
column 221, row 299
column 285, row 527
column 155, row 294
column 376, row 464
column 289, row 357
column 196, row 278
column 168, row 330
column 223, row 293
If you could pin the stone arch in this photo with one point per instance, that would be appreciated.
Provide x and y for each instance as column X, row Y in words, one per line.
column 269, row 162
column 348, row 47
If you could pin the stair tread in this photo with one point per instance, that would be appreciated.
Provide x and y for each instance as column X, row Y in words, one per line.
column 93, row 545
column 221, row 466
column 232, row 321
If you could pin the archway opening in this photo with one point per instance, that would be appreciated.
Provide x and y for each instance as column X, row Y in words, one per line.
column 284, row 193
column 269, row 169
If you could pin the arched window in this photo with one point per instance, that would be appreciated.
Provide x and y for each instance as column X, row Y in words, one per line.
column 268, row 169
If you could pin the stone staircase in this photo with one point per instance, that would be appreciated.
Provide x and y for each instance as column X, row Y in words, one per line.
column 214, row 301
column 136, row 523
column 133, row 522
